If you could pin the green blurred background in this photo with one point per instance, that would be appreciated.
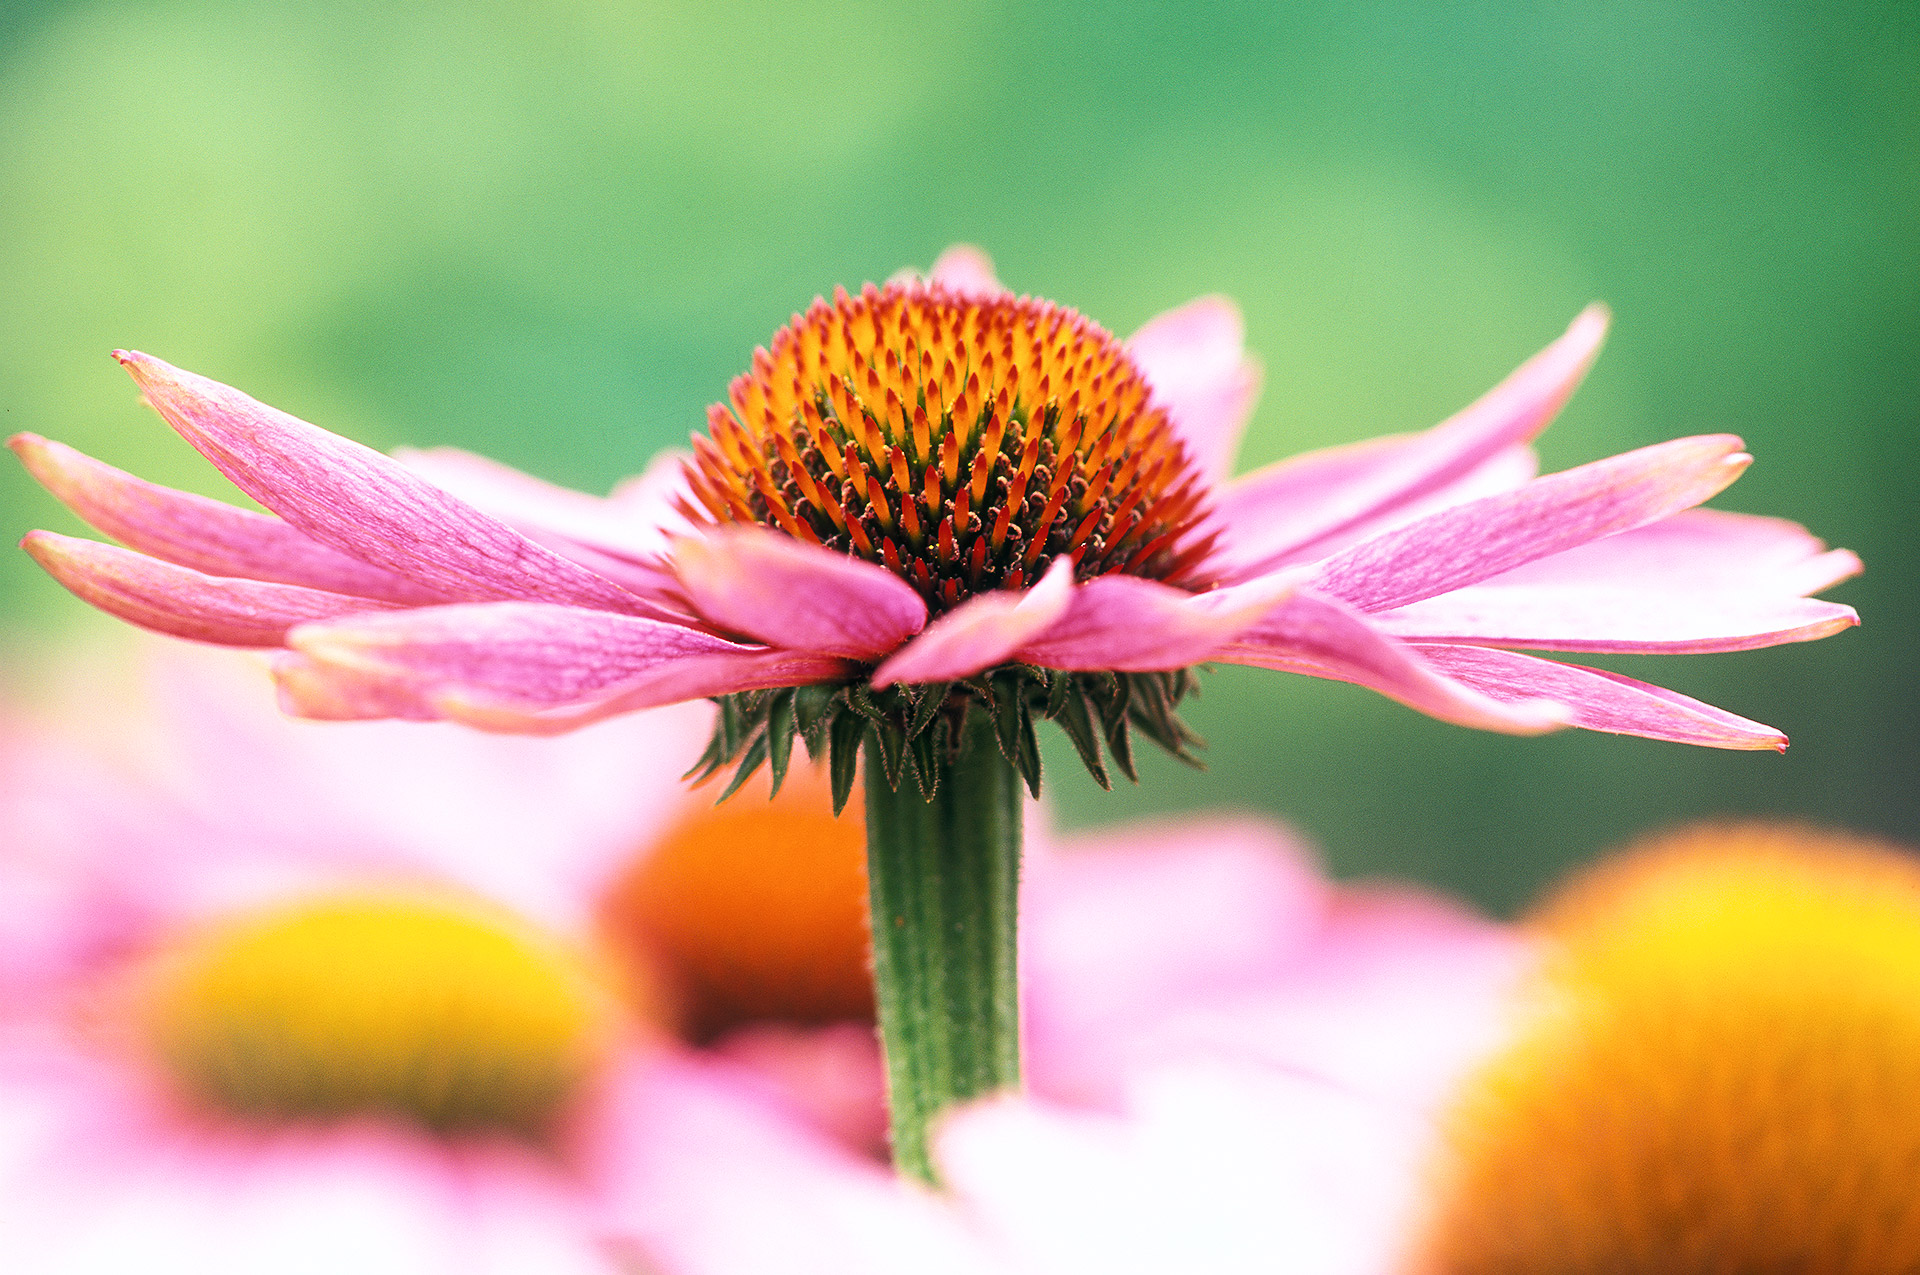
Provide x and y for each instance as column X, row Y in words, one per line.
column 552, row 233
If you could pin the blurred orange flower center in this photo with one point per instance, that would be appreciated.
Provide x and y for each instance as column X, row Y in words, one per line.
column 1723, row 1074
column 441, row 1013
column 962, row 442
column 752, row 911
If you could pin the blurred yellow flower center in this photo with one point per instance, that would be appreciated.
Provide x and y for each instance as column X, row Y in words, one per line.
column 962, row 442
column 1723, row 1074
column 752, row 911
column 444, row 1014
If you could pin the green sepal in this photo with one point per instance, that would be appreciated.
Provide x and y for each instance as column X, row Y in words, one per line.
column 812, row 707
column 1029, row 759
column 932, row 697
column 779, row 737
column 1060, row 686
column 1009, row 711
column 843, row 756
column 1078, row 724
column 893, row 747
column 756, row 755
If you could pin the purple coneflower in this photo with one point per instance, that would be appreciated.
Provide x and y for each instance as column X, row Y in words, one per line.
column 929, row 515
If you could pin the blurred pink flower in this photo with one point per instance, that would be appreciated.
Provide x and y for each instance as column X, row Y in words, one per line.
column 829, row 531
column 120, row 1147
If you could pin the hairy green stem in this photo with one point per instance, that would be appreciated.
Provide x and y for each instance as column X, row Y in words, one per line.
column 943, row 877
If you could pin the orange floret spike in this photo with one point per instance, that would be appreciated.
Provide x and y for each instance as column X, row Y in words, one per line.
column 948, row 549
column 930, row 494
column 922, row 434
column 950, row 459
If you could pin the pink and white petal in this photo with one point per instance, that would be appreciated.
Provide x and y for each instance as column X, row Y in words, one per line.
column 1699, row 549
column 532, row 505
column 981, row 632
column 1602, row 701
column 1332, row 491
column 1122, row 932
column 1322, row 637
column 1469, row 543
column 1254, row 518
column 689, row 678
column 1133, row 625
column 362, row 503
column 1611, row 618
column 802, row 597
column 323, row 692
column 1216, row 1167
column 181, row 601
column 1195, row 359
column 704, row 1176
column 966, row 270
column 525, row 654
column 194, row 531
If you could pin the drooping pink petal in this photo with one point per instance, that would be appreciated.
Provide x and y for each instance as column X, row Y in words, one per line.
column 1322, row 637
column 689, row 678
column 181, row 601
column 1341, row 487
column 364, row 504
column 1613, row 618
column 981, row 632
column 799, row 596
column 194, row 531
column 1195, row 359
column 528, row 654
column 1468, row 543
column 966, row 270
column 1699, row 549
column 531, row 504
column 1603, row 701
column 1254, row 517
column 1129, row 624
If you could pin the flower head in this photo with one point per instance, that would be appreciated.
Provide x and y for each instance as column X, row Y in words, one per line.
column 935, row 497
column 1719, row 1078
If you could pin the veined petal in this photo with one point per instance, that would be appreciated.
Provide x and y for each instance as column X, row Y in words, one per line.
column 181, row 601
column 981, row 632
column 693, row 677
column 1345, row 486
column 362, row 503
column 1599, row 700
column 799, row 596
column 1699, row 549
column 1195, row 359
column 1321, row 637
column 1254, row 517
column 1127, row 624
column 206, row 535
column 967, row 270
column 520, row 653
column 1613, row 618
column 1468, row 543
column 530, row 504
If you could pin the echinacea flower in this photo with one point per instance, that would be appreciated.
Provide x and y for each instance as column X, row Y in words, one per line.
column 927, row 516
column 1708, row 1068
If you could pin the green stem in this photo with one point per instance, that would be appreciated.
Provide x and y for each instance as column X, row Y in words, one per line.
column 944, row 878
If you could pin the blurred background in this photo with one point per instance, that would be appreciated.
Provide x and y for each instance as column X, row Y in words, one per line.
column 552, row 233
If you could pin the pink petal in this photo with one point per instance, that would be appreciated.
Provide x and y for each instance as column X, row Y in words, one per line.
column 1602, row 618
column 1699, row 549
column 523, row 654
column 1468, row 543
column 1128, row 624
column 1346, row 486
column 183, row 602
column 690, row 678
column 364, row 504
column 981, row 632
column 1254, row 517
column 1195, row 360
column 798, row 596
column 966, row 270
column 207, row 535
column 1321, row 637
column 1599, row 700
